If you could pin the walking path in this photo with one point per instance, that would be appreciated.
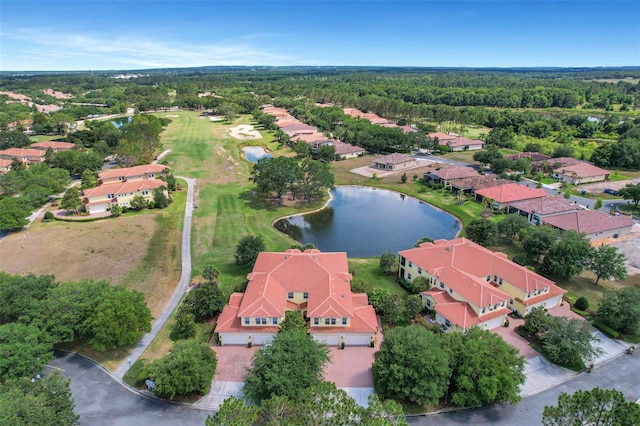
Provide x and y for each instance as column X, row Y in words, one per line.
column 185, row 278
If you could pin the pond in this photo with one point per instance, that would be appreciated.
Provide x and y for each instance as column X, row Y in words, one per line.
column 254, row 153
column 119, row 122
column 365, row 222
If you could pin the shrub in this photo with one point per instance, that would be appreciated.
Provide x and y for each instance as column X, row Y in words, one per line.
column 48, row 216
column 582, row 303
column 152, row 205
column 610, row 332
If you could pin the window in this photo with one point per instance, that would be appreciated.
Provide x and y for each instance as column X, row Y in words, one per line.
column 246, row 321
column 402, row 261
column 450, row 291
column 500, row 281
column 408, row 276
column 528, row 295
column 257, row 320
column 495, row 278
column 419, row 271
column 488, row 278
column 316, row 321
column 441, row 285
column 344, row 321
column 333, row 321
column 274, row 321
column 410, row 264
column 448, row 323
column 263, row 321
column 305, row 295
column 290, row 295
column 326, row 321
column 484, row 310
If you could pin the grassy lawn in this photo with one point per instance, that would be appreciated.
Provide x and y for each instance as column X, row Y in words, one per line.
column 463, row 156
column 369, row 270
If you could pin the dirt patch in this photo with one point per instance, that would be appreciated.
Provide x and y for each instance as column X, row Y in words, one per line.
column 630, row 245
column 57, row 94
column 244, row 132
column 109, row 249
column 598, row 187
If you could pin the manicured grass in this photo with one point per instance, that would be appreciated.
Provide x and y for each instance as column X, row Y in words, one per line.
column 40, row 138
column 369, row 270
column 615, row 177
column 547, row 180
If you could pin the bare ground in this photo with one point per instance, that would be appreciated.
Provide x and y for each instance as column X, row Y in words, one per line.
column 598, row 187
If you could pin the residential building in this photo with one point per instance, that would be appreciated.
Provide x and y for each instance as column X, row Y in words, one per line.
column 146, row 171
column 539, row 208
column 596, row 225
column 345, row 150
column 313, row 283
column 103, row 197
column 553, row 163
column 5, row 165
column 472, row 184
column 54, row 145
column 449, row 175
column 580, row 173
column 471, row 285
column 394, row 161
column 502, row 195
column 457, row 142
column 26, row 155
column 535, row 156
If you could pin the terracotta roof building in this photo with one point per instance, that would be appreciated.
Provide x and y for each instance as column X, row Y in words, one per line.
column 471, row 285
column 595, row 224
column 535, row 156
column 457, row 142
column 502, row 195
column 451, row 174
column 314, row 283
column 538, row 208
column 145, row 171
column 26, row 155
column 5, row 165
column 54, row 145
column 103, row 197
column 472, row 184
column 394, row 161
column 580, row 173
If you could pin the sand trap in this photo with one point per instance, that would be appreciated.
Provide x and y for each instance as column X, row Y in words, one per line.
column 245, row 132
column 172, row 116
column 216, row 118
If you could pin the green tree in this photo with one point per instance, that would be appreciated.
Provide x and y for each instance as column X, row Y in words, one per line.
column 234, row 412
column 326, row 153
column 188, row 368
column 185, row 324
column 89, row 179
column 598, row 204
column 121, row 317
column 603, row 407
column 403, row 178
column 24, row 350
column 229, row 110
column 288, row 367
column 511, row 226
column 210, row 273
column 359, row 285
column 21, row 297
column 71, row 200
column 620, row 309
column 419, row 284
column 276, row 175
column 631, row 192
column 45, row 401
column 387, row 262
column 116, row 210
column 160, row 200
column 302, row 149
column 378, row 298
column 138, row 202
column 206, row 301
column 537, row 240
column 13, row 214
column 606, row 262
column 569, row 256
column 482, row 231
column 477, row 379
column 423, row 240
column 316, row 176
column 568, row 341
column 248, row 249
column 536, row 322
column 412, row 365
column 293, row 321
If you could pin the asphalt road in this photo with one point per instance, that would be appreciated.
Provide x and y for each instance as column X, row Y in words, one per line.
column 102, row 400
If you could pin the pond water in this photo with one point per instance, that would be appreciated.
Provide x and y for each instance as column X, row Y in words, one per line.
column 254, row 153
column 119, row 122
column 365, row 222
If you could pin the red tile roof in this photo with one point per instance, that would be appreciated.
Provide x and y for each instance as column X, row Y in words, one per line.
column 581, row 170
column 44, row 145
column 144, row 169
column 474, row 261
column 546, row 205
column 455, row 173
column 478, row 182
column 345, row 148
column 124, row 188
column 511, row 192
column 22, row 152
column 441, row 136
column 460, row 313
column 588, row 221
column 557, row 162
column 394, row 158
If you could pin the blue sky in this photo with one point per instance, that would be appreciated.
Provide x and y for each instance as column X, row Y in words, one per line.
column 120, row 34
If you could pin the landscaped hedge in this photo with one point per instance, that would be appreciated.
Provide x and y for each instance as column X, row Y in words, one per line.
column 88, row 219
column 606, row 329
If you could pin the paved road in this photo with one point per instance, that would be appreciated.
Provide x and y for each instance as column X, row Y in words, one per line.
column 103, row 401
column 621, row 373
column 185, row 279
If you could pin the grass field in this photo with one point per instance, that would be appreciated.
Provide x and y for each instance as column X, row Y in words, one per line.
column 369, row 270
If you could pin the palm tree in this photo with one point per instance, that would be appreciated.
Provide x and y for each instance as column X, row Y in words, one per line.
column 210, row 273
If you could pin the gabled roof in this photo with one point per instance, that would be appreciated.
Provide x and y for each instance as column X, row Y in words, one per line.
column 460, row 313
column 557, row 162
column 462, row 141
column 124, row 187
column 441, row 136
column 455, row 173
column 472, row 260
column 588, row 221
column 132, row 171
column 546, row 205
column 345, row 148
column 511, row 192
column 325, row 276
column 395, row 158
column 478, row 182
column 52, row 144
column 22, row 152
column 581, row 170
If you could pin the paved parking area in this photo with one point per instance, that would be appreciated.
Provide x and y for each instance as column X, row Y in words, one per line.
column 232, row 361
column 351, row 366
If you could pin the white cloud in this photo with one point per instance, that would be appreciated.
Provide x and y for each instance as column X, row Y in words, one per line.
column 122, row 51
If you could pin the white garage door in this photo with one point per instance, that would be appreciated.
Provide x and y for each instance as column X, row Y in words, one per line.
column 550, row 303
column 326, row 338
column 98, row 208
column 496, row 322
column 262, row 338
column 234, row 338
column 357, row 339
